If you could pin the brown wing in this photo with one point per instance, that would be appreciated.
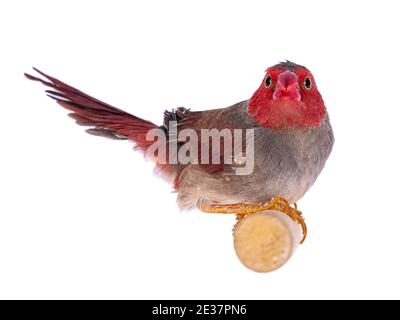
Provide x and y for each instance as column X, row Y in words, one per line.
column 234, row 117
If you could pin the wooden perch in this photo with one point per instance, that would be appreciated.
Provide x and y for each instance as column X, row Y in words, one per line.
column 265, row 241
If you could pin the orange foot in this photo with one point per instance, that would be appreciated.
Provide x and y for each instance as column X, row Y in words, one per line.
column 244, row 209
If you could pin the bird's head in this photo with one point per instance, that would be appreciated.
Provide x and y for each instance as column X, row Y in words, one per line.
column 287, row 98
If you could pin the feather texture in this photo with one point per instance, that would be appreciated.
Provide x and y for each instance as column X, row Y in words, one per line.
column 105, row 120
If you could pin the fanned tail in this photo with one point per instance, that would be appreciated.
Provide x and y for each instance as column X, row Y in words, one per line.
column 104, row 119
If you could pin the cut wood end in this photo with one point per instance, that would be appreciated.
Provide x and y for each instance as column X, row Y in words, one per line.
column 264, row 241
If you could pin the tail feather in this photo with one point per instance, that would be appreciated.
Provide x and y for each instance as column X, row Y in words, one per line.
column 105, row 120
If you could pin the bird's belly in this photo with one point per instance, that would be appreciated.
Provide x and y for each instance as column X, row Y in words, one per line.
column 196, row 186
column 290, row 183
column 290, row 188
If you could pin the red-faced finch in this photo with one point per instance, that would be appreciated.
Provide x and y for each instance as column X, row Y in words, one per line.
column 291, row 132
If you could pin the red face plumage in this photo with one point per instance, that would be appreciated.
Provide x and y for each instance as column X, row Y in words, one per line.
column 287, row 98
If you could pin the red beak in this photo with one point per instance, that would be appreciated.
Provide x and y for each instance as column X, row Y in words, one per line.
column 287, row 86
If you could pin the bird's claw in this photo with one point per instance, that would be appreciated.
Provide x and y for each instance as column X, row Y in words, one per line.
column 244, row 209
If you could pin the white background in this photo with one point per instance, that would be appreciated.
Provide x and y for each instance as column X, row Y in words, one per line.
column 83, row 217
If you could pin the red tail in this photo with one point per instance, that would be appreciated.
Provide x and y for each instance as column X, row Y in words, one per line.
column 104, row 119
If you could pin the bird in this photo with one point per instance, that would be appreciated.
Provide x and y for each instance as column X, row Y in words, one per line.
column 291, row 132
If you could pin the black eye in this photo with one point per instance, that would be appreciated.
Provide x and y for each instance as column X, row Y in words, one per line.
column 307, row 83
column 268, row 81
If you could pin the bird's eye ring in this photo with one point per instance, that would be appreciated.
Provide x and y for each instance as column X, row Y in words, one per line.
column 307, row 83
column 268, row 81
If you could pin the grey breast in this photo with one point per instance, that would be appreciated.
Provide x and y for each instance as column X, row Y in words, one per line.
column 288, row 162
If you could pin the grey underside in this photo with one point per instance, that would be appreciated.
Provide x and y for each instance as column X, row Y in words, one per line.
column 286, row 163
